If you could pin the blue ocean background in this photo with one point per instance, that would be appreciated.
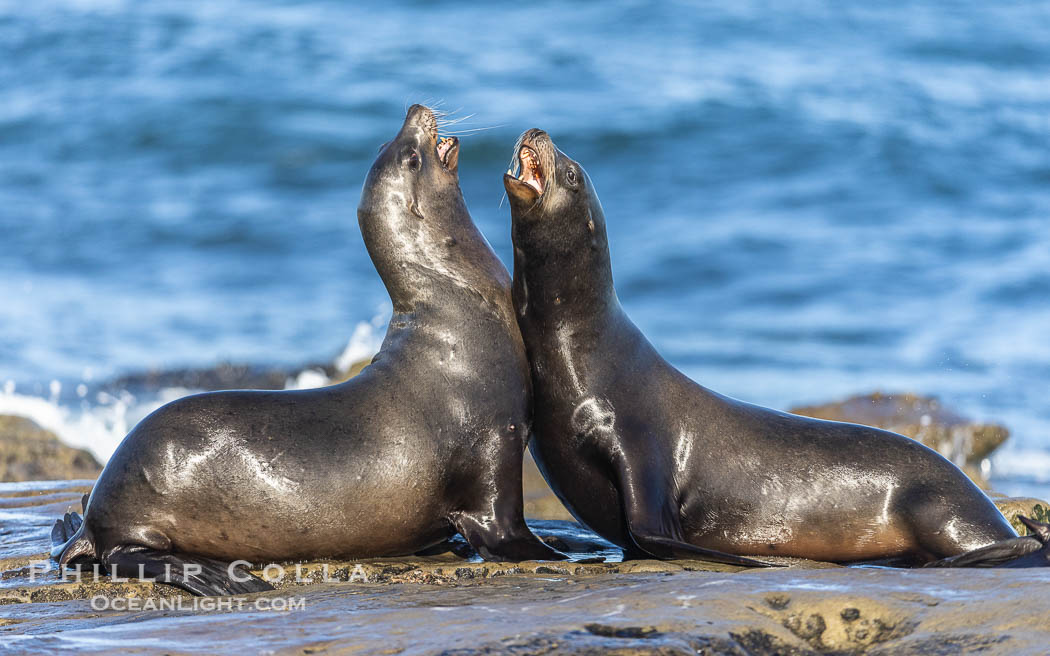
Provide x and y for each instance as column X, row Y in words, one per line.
column 805, row 200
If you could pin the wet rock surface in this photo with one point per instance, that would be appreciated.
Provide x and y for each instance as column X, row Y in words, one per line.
column 449, row 605
column 964, row 442
column 29, row 452
column 841, row 611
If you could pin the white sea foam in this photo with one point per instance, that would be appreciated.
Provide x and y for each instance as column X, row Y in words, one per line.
column 97, row 423
column 365, row 341
column 98, row 426
column 307, row 379
column 1030, row 464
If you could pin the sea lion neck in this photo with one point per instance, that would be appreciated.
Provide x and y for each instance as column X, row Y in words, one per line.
column 415, row 223
column 421, row 238
column 440, row 263
column 562, row 267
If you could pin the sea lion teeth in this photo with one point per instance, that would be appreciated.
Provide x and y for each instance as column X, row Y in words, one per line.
column 531, row 171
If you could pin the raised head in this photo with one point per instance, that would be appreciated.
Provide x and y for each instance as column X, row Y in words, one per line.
column 413, row 218
column 561, row 251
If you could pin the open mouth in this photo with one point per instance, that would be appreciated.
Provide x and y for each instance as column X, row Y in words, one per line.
column 531, row 171
column 448, row 152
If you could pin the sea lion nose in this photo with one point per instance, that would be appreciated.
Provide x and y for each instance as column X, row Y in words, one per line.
column 536, row 134
column 417, row 113
column 419, row 117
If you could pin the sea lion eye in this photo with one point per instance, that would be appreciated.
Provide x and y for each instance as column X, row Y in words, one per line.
column 570, row 175
column 413, row 160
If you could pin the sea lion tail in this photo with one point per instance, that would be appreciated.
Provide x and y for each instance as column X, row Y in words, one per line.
column 71, row 540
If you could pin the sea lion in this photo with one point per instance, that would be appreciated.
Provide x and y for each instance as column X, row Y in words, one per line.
column 660, row 465
column 427, row 441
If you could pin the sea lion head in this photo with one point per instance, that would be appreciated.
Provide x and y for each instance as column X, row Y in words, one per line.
column 412, row 213
column 558, row 222
column 545, row 183
column 413, row 171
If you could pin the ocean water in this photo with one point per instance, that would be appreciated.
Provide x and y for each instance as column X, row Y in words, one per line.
column 804, row 201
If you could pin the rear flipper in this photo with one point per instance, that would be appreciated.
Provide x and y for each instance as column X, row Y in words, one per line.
column 71, row 546
column 63, row 531
column 69, row 543
column 200, row 576
column 1027, row 551
column 64, row 528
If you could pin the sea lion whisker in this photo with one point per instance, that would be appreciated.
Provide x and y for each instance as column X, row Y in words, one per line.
column 468, row 131
column 432, row 105
column 445, row 119
column 515, row 164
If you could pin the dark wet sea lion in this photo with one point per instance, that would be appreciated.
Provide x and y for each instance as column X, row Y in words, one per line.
column 650, row 460
column 427, row 441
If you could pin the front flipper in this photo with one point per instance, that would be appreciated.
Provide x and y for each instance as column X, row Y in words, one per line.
column 494, row 541
column 200, row 576
column 653, row 522
column 492, row 518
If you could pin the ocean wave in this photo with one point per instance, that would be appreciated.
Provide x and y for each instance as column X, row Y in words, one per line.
column 1026, row 464
column 364, row 342
column 98, row 427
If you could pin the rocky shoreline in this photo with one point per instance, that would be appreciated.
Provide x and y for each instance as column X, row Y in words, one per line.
column 450, row 605
column 31, row 453
column 784, row 613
